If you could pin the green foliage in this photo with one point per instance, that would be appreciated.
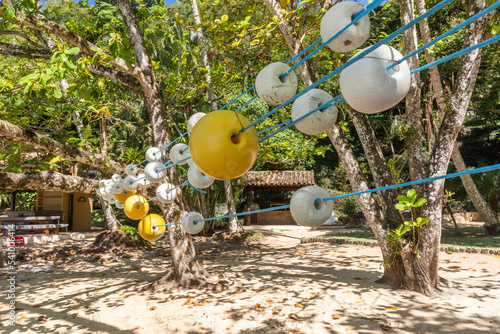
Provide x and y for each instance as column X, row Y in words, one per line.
column 251, row 236
column 26, row 201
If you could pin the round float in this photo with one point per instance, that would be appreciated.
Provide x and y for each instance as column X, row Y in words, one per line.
column 129, row 183
column 197, row 179
column 369, row 87
column 216, row 153
column 142, row 181
column 148, row 228
column 152, row 154
column 165, row 194
column 305, row 211
column 319, row 121
column 194, row 119
column 122, row 197
column 336, row 18
column 273, row 90
column 178, row 153
column 134, row 207
column 119, row 205
column 131, row 169
column 117, row 188
column 153, row 172
column 189, row 225
column 116, row 178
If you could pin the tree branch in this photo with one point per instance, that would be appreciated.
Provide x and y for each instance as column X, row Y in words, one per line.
column 14, row 133
column 12, row 49
column 23, row 35
column 113, row 74
column 47, row 181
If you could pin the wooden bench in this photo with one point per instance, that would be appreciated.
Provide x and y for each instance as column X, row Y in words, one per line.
column 44, row 221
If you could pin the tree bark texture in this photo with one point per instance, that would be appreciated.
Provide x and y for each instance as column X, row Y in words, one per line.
column 480, row 204
column 47, row 181
column 186, row 269
column 110, row 221
column 14, row 133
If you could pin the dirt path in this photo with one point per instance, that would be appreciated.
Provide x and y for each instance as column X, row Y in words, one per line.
column 276, row 286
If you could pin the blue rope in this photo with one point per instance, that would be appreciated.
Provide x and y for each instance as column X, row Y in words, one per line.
column 168, row 224
column 140, row 163
column 141, row 178
column 458, row 53
column 236, row 98
column 352, row 60
column 164, row 147
column 355, row 18
column 274, row 126
column 185, row 149
column 147, row 201
column 201, row 191
column 449, row 32
column 305, row 50
column 399, row 185
column 180, row 185
column 172, row 165
column 246, row 103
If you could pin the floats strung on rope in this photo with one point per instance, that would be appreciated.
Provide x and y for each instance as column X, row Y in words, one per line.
column 131, row 170
column 179, row 153
column 305, row 211
column 152, row 154
column 122, row 197
column 369, row 87
column 273, row 90
column 338, row 17
column 319, row 121
column 218, row 154
column 142, row 181
column 115, row 178
column 153, row 172
column 166, row 193
column 117, row 188
column 194, row 119
column 129, row 183
column 189, row 223
column 149, row 229
column 136, row 207
column 119, row 205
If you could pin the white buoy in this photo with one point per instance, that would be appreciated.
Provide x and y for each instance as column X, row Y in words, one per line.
column 142, row 181
column 116, row 178
column 165, row 194
column 273, row 90
column 305, row 211
column 153, row 172
column 129, row 183
column 131, row 170
column 108, row 190
column 319, row 121
column 119, row 205
column 336, row 18
column 152, row 154
column 194, row 119
column 197, row 179
column 189, row 225
column 117, row 188
column 180, row 152
column 112, row 199
column 369, row 87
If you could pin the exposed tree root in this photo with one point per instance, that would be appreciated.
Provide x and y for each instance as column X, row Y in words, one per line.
column 117, row 240
column 170, row 282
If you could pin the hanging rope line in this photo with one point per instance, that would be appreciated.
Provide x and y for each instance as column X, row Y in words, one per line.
column 394, row 186
column 168, row 224
column 164, row 147
column 172, row 165
column 351, row 61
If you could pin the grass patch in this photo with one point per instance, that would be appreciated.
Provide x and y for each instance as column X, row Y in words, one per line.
column 250, row 236
column 469, row 237
column 97, row 218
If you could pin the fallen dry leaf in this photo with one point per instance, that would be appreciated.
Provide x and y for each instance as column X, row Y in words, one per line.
column 277, row 309
column 364, row 259
column 269, row 300
column 313, row 297
column 220, row 275
column 152, row 308
column 392, row 307
column 258, row 308
column 482, row 262
column 301, row 252
column 337, row 316
column 296, row 330
column 42, row 319
column 347, row 291
column 496, row 256
column 359, row 279
column 349, row 328
column 293, row 316
column 21, row 317
column 428, row 306
column 74, row 315
column 371, row 319
column 300, row 305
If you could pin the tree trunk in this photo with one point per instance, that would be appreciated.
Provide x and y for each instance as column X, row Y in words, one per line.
column 233, row 221
column 110, row 221
column 186, row 270
column 481, row 205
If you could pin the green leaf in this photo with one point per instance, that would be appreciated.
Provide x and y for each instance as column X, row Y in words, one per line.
column 422, row 221
column 57, row 93
column 73, row 51
column 412, row 195
column 224, row 18
column 410, row 223
column 401, row 206
column 403, row 198
column 419, row 203
column 9, row 13
column 45, row 78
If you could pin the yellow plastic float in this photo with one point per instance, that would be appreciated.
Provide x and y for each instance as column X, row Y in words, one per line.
column 216, row 153
column 148, row 228
column 122, row 197
column 134, row 207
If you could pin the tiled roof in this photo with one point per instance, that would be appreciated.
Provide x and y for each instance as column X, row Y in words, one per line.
column 278, row 178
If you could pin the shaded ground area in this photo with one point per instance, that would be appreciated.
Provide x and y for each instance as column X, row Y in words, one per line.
column 275, row 286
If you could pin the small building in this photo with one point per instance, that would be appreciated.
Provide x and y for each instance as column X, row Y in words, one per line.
column 76, row 208
column 260, row 189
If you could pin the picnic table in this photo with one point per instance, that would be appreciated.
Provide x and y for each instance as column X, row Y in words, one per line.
column 32, row 221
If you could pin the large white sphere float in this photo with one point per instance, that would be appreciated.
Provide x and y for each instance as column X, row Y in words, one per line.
column 273, row 90
column 194, row 119
column 152, row 154
column 336, row 18
column 197, row 179
column 129, row 183
column 319, row 121
column 305, row 211
column 180, row 152
column 189, row 225
column 166, row 193
column 369, row 87
column 154, row 172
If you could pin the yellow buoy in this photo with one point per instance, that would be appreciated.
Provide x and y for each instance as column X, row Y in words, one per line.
column 134, row 207
column 216, row 153
column 122, row 197
column 148, row 228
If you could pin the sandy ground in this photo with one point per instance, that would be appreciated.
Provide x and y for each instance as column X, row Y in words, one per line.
column 276, row 286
